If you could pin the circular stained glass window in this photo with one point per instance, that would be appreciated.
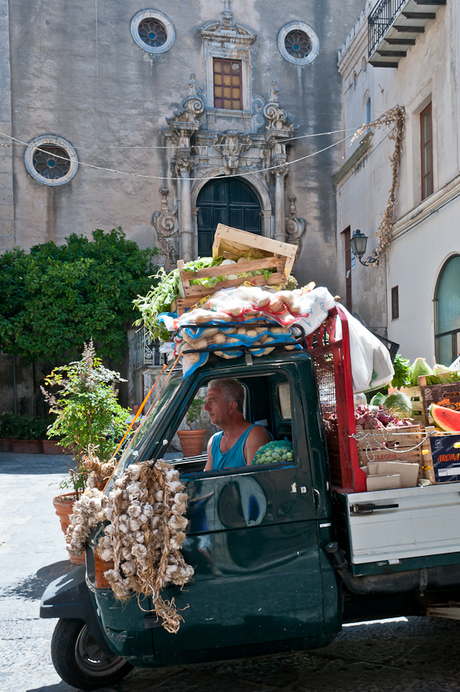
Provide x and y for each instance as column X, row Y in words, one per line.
column 51, row 162
column 153, row 33
column 298, row 44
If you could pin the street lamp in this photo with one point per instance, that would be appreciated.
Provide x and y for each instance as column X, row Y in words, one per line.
column 358, row 247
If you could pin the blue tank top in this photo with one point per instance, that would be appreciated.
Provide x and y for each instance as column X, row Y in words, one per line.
column 235, row 455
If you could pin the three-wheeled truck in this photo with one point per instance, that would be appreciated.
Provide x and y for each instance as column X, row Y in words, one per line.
column 284, row 553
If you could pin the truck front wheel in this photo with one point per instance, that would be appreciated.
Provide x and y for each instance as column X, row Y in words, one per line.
column 79, row 660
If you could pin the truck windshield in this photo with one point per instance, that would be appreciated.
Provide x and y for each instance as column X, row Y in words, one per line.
column 137, row 448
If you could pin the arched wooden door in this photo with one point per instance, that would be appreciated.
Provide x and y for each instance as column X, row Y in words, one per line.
column 228, row 201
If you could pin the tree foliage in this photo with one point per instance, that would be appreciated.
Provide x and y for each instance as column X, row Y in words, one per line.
column 55, row 298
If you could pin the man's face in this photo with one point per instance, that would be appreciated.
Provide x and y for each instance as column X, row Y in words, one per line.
column 217, row 408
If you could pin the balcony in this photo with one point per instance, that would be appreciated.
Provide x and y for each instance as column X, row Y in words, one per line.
column 393, row 26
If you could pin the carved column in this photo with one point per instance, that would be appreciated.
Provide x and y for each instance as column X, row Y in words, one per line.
column 266, row 215
column 195, row 211
column 280, row 214
column 184, row 167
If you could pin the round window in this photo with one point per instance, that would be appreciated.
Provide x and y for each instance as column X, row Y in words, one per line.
column 51, row 160
column 298, row 43
column 153, row 31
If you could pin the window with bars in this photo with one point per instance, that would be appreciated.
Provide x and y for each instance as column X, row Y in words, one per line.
column 426, row 145
column 228, row 84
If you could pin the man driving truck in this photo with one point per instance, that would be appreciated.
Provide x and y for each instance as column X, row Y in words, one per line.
column 239, row 441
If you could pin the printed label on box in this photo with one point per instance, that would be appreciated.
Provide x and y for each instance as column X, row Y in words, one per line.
column 446, row 458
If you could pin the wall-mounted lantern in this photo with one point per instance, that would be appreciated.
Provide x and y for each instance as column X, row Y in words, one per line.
column 358, row 245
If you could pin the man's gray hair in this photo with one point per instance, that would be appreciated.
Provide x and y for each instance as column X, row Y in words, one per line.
column 231, row 389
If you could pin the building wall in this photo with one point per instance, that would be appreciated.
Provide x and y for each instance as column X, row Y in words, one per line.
column 76, row 72
column 425, row 233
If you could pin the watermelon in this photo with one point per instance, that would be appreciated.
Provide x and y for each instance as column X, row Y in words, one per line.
column 445, row 418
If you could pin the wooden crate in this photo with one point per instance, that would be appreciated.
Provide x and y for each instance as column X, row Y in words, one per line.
column 232, row 243
column 397, row 440
column 447, row 395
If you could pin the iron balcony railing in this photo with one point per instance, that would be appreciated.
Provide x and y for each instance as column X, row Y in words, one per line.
column 381, row 18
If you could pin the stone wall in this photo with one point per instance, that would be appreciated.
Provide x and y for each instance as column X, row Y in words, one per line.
column 78, row 74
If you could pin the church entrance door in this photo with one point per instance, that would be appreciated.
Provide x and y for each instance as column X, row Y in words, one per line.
column 228, row 201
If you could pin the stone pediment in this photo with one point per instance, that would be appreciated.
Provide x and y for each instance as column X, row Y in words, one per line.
column 237, row 33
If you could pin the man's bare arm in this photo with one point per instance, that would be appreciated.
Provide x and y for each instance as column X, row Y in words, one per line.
column 208, row 466
column 256, row 439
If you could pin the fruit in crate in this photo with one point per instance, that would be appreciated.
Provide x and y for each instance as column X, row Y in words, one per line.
column 445, row 418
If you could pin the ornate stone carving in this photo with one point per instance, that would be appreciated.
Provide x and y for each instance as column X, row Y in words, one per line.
column 277, row 117
column 227, row 31
column 232, row 144
column 295, row 226
column 166, row 225
column 227, row 17
column 279, row 128
column 184, row 164
column 191, row 107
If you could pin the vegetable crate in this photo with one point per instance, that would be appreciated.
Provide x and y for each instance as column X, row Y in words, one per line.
column 415, row 396
column 232, row 243
column 447, row 395
column 390, row 444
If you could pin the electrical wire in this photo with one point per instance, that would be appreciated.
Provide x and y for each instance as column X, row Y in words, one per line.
column 162, row 177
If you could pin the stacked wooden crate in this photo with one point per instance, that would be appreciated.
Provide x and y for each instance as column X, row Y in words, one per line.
column 447, row 395
column 395, row 457
column 232, row 243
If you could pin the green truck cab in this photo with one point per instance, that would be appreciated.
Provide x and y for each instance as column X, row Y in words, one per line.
column 274, row 546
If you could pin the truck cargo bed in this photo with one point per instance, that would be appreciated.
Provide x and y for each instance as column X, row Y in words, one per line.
column 388, row 526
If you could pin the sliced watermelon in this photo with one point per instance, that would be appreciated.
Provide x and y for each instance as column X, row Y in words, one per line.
column 445, row 418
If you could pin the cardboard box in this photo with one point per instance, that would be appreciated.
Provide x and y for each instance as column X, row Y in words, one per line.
column 445, row 451
column 389, row 482
column 409, row 472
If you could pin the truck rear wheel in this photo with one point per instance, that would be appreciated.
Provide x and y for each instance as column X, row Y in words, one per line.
column 79, row 660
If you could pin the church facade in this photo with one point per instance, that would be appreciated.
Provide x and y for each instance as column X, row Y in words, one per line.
column 166, row 120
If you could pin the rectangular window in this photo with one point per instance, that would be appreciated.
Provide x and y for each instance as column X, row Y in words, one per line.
column 228, row 84
column 395, row 302
column 426, row 144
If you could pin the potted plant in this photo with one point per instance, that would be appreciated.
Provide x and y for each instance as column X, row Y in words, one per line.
column 89, row 421
column 192, row 440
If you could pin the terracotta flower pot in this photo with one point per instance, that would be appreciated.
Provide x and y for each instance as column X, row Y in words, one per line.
column 27, row 446
column 52, row 447
column 63, row 504
column 192, row 442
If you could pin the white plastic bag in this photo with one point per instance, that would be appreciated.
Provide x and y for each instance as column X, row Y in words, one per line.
column 371, row 364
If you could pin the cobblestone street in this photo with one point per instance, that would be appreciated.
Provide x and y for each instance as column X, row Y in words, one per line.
column 406, row 655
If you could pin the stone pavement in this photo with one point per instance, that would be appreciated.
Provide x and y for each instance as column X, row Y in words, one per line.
column 405, row 655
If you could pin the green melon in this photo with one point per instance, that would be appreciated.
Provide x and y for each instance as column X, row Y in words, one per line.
column 445, row 418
